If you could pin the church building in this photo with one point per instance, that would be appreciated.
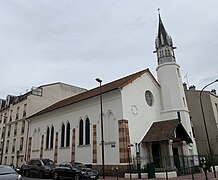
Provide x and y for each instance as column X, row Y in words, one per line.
column 140, row 115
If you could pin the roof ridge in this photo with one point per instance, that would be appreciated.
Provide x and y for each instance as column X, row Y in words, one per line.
column 116, row 84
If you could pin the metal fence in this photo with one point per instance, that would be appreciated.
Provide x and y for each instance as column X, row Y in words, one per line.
column 183, row 165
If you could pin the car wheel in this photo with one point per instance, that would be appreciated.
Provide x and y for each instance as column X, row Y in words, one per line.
column 41, row 174
column 55, row 176
column 27, row 173
column 23, row 173
column 77, row 177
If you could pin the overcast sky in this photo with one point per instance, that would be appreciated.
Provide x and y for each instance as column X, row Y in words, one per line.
column 75, row 41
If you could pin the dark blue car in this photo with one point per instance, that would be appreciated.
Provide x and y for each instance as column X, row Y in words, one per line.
column 75, row 170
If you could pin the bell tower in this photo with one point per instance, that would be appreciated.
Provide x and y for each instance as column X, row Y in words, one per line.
column 173, row 98
column 174, row 105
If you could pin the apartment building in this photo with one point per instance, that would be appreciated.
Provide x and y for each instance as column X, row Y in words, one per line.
column 210, row 110
column 14, row 111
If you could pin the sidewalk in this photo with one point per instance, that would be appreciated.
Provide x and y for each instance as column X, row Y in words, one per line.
column 199, row 176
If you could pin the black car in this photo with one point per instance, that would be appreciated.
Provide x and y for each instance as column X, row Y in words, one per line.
column 7, row 172
column 75, row 170
column 39, row 168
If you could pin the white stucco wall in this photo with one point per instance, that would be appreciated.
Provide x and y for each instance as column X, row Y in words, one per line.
column 173, row 97
column 73, row 113
column 134, row 95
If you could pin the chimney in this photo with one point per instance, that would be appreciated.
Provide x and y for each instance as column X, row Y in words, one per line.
column 213, row 91
column 192, row 87
column 185, row 86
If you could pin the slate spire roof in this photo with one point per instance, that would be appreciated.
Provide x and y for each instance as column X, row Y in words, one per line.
column 162, row 33
column 163, row 39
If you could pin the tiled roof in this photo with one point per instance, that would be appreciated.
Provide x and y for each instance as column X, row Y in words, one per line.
column 117, row 84
column 165, row 130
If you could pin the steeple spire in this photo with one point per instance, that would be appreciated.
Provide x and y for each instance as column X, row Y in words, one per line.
column 163, row 44
column 164, row 38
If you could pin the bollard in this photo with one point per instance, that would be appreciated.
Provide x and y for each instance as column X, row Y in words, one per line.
column 117, row 172
column 192, row 174
column 166, row 174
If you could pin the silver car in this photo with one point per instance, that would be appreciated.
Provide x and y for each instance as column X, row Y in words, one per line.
column 7, row 172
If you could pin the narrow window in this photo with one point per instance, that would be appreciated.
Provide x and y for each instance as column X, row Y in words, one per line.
column 21, row 144
column 52, row 137
column 9, row 130
column 62, row 135
column 11, row 115
column 17, row 114
column 87, row 130
column 47, row 138
column 184, row 101
column 81, row 132
column 216, row 109
column 68, row 135
column 178, row 115
column 178, row 72
column 15, row 129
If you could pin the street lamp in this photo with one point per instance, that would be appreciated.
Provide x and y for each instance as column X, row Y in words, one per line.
column 205, row 126
column 102, row 129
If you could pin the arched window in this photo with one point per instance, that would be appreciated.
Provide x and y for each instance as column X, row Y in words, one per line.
column 68, row 135
column 62, row 135
column 47, row 138
column 110, row 126
column 87, row 131
column 35, row 138
column 81, row 132
column 52, row 137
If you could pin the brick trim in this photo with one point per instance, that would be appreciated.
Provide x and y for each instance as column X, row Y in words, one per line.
column 73, row 145
column 29, row 149
column 124, row 140
column 42, row 147
column 56, row 148
column 94, row 147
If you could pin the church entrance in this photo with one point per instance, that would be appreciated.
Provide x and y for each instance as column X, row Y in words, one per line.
column 176, row 158
column 156, row 154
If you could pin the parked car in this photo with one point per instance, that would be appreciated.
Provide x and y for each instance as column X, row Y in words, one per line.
column 7, row 172
column 73, row 170
column 23, row 169
column 39, row 167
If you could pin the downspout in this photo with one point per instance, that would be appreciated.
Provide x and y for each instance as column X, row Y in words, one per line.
column 27, row 140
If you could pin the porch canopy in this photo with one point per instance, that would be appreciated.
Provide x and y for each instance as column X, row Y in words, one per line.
column 167, row 130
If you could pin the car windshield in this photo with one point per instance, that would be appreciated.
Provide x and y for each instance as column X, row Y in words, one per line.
column 48, row 162
column 79, row 165
column 6, row 170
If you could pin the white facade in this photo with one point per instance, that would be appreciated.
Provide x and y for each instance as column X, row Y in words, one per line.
column 117, row 105
column 125, row 102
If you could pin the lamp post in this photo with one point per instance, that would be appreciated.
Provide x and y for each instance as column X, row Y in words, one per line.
column 102, row 127
column 205, row 126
